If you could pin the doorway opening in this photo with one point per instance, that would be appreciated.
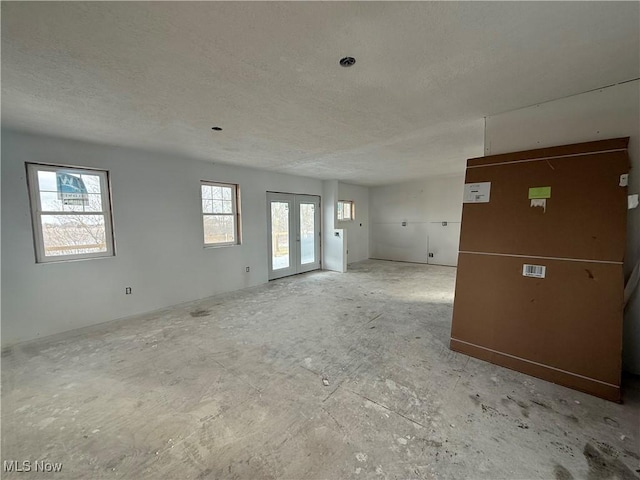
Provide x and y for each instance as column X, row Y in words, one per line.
column 293, row 223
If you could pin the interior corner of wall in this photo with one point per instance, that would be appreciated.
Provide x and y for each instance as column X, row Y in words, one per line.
column 486, row 147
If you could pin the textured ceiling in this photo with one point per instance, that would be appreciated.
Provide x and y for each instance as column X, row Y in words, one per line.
column 159, row 75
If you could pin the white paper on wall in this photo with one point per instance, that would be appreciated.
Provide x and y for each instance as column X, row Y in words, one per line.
column 539, row 202
column 477, row 192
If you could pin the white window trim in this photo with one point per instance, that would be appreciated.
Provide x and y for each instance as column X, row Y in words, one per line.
column 235, row 206
column 36, row 212
column 353, row 211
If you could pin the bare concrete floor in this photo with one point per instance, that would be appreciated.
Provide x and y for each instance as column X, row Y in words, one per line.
column 231, row 387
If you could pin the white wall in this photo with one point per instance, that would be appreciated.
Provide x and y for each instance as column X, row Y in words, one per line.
column 607, row 113
column 357, row 230
column 334, row 241
column 423, row 205
column 158, row 230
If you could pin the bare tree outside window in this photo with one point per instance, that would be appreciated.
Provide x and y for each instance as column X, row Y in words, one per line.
column 280, row 234
column 220, row 213
column 71, row 212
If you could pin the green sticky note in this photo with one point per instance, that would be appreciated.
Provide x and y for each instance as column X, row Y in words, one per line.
column 539, row 192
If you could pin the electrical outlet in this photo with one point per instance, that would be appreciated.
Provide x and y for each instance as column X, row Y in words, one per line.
column 247, row 269
column 430, row 255
column 127, row 291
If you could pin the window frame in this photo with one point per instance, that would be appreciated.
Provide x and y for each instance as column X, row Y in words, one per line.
column 235, row 207
column 340, row 208
column 33, row 186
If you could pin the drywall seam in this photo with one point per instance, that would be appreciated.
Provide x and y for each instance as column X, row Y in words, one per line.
column 605, row 87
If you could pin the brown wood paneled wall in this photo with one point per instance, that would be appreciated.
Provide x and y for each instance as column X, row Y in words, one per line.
column 564, row 326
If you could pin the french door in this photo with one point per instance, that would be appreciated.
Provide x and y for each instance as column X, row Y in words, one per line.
column 293, row 222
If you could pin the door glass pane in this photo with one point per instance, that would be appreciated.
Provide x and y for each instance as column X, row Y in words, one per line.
column 280, row 235
column 307, row 233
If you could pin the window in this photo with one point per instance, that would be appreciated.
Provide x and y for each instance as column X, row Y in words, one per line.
column 346, row 210
column 220, row 214
column 71, row 212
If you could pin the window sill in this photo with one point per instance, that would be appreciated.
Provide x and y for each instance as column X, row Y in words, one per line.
column 223, row 245
column 67, row 260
